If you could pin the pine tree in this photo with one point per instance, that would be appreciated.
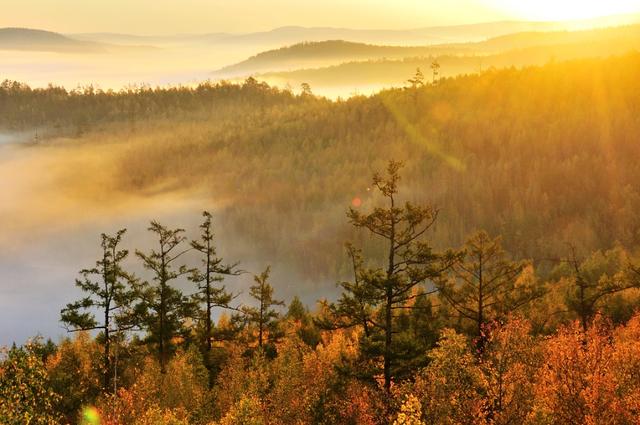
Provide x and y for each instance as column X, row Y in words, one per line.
column 435, row 68
column 264, row 316
column 306, row 89
column 411, row 263
column 163, row 309
column 213, row 271
column 593, row 279
column 111, row 294
column 354, row 307
column 417, row 80
column 302, row 322
column 484, row 285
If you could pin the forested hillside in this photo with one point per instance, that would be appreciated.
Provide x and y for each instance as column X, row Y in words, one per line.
column 520, row 47
column 542, row 156
column 323, row 53
column 519, row 50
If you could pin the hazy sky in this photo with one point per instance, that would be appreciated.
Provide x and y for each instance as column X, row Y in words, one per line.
column 197, row 16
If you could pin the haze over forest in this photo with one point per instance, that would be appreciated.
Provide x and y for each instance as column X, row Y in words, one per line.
column 524, row 127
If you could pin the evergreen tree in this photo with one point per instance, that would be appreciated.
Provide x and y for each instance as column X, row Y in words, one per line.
column 297, row 310
column 355, row 306
column 306, row 90
column 410, row 264
column 591, row 280
column 303, row 322
column 264, row 316
column 484, row 285
column 110, row 293
column 435, row 68
column 163, row 309
column 417, row 80
column 210, row 292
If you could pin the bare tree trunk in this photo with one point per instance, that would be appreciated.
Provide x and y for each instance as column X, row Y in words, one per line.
column 388, row 308
column 163, row 368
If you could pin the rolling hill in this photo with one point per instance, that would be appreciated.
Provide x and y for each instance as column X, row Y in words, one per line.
column 289, row 35
column 335, row 52
column 323, row 53
column 27, row 39
column 519, row 50
column 47, row 41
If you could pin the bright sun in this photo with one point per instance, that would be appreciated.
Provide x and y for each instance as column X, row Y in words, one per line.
column 557, row 10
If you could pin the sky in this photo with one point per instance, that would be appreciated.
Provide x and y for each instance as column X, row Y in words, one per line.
column 163, row 17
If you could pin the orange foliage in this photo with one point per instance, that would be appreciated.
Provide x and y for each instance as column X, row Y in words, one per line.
column 583, row 380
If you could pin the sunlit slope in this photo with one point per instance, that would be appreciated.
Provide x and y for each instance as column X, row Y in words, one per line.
column 318, row 54
column 514, row 50
column 542, row 156
column 334, row 52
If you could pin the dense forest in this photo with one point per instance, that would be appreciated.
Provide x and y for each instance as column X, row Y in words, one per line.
column 491, row 273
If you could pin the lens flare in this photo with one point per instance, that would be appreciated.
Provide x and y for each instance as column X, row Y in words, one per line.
column 413, row 133
column 567, row 9
column 90, row 416
column 356, row 202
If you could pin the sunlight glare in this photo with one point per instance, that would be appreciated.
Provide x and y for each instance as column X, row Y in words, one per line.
column 561, row 10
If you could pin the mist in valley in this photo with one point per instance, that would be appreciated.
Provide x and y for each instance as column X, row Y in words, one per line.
column 58, row 196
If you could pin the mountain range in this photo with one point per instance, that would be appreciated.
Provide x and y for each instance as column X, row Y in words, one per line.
column 289, row 35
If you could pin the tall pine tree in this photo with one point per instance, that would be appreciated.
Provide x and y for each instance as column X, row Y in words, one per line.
column 109, row 291
column 484, row 284
column 163, row 309
column 264, row 317
column 378, row 295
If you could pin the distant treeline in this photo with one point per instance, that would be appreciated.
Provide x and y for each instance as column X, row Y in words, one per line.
column 25, row 108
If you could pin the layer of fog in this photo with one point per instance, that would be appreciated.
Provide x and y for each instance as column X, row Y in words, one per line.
column 160, row 67
column 154, row 66
column 51, row 228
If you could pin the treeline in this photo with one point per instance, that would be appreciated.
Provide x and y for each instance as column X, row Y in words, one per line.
column 458, row 336
column 25, row 108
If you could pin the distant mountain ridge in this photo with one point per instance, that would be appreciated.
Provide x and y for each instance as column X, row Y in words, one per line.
column 28, row 39
column 310, row 55
column 526, row 49
column 289, row 35
column 323, row 53
column 36, row 39
column 40, row 40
